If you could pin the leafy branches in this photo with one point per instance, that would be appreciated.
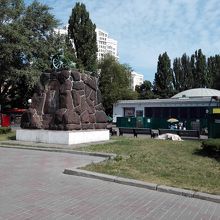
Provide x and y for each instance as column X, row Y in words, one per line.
column 25, row 45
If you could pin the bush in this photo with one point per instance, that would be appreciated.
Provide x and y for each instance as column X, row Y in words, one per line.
column 211, row 145
column 5, row 130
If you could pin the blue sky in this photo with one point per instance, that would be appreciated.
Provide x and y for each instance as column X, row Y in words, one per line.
column 146, row 28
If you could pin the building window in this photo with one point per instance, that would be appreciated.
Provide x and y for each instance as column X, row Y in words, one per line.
column 129, row 112
column 148, row 113
column 139, row 113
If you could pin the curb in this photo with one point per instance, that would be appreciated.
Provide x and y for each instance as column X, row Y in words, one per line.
column 54, row 146
column 208, row 197
column 96, row 154
column 142, row 184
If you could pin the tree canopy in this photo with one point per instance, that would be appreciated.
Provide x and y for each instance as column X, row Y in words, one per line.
column 26, row 43
column 163, row 86
column 200, row 70
column 145, row 90
column 82, row 31
column 114, row 82
column 186, row 73
column 182, row 74
column 213, row 71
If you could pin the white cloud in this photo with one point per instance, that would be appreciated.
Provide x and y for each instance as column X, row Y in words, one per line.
column 146, row 28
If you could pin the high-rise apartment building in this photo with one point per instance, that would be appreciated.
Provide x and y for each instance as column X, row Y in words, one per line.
column 105, row 44
column 136, row 80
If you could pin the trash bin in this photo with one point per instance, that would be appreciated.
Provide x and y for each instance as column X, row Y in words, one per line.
column 5, row 120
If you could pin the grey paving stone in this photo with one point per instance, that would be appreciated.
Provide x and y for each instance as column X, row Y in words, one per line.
column 33, row 186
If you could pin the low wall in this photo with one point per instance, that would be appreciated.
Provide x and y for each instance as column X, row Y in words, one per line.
column 62, row 137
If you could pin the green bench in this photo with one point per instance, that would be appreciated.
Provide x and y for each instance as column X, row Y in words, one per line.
column 134, row 131
column 181, row 133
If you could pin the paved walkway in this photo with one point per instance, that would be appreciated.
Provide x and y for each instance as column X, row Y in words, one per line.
column 32, row 186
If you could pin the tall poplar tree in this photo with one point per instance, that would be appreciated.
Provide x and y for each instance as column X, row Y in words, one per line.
column 178, row 77
column 193, row 68
column 163, row 86
column 182, row 74
column 82, row 31
column 213, row 66
column 187, row 72
column 200, row 70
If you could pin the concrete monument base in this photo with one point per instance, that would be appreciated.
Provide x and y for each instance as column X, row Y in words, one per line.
column 62, row 137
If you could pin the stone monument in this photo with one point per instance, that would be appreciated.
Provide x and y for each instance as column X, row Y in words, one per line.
column 65, row 101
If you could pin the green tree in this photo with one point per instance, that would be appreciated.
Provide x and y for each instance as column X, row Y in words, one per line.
column 11, row 31
column 178, row 77
column 39, row 24
column 145, row 90
column 163, row 86
column 82, row 31
column 187, row 72
column 193, row 68
column 182, row 74
column 25, row 48
column 213, row 68
column 114, row 82
column 200, row 70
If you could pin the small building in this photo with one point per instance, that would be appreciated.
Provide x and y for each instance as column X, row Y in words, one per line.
column 190, row 105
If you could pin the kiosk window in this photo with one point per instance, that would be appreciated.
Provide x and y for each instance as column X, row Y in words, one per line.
column 139, row 113
column 129, row 112
column 148, row 112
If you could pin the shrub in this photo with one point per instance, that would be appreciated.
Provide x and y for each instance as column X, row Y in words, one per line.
column 5, row 130
column 211, row 145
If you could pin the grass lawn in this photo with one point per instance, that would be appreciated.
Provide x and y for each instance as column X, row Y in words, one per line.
column 8, row 136
column 179, row 164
